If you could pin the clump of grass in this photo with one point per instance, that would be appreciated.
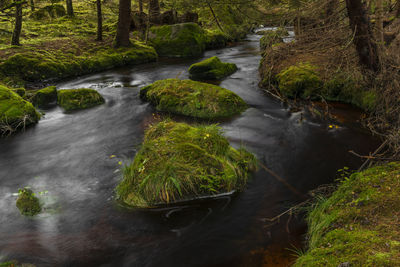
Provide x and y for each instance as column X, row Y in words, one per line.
column 74, row 99
column 178, row 162
column 359, row 223
column 211, row 69
column 27, row 202
column 15, row 112
column 194, row 99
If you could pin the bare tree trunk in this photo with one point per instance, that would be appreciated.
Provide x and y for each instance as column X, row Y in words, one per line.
column 363, row 37
column 379, row 22
column 154, row 11
column 70, row 8
column 99, row 21
column 124, row 22
column 18, row 24
column 32, row 5
column 215, row 17
column 140, row 6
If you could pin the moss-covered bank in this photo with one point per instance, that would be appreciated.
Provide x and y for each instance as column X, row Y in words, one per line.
column 27, row 202
column 43, row 65
column 15, row 112
column 179, row 162
column 359, row 224
column 178, row 40
column 194, row 99
column 44, row 97
column 74, row 99
column 211, row 69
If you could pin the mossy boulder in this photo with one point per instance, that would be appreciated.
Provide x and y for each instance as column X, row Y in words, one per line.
column 178, row 40
column 179, row 162
column 194, row 99
column 216, row 39
column 74, row 99
column 20, row 91
column 300, row 81
column 358, row 223
column 15, row 112
column 211, row 69
column 48, row 12
column 44, row 97
column 27, row 202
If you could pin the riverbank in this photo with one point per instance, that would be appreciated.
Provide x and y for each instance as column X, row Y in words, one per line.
column 359, row 224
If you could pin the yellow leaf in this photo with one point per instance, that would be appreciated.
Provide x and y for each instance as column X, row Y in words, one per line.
column 112, row 156
column 119, row 162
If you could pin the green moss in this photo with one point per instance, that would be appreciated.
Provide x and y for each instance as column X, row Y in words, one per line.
column 179, row 40
column 300, row 81
column 356, row 224
column 216, row 39
column 48, row 12
column 269, row 39
column 194, row 99
column 179, row 162
column 20, row 91
column 74, row 99
column 43, row 65
column 211, row 69
column 15, row 112
column 27, row 203
column 44, row 97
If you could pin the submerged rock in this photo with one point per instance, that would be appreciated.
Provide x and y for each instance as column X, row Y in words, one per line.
column 178, row 40
column 74, row 99
column 27, row 203
column 194, row 99
column 180, row 162
column 211, row 69
column 15, row 112
column 44, row 97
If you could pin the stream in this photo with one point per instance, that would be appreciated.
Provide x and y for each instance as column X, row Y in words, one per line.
column 73, row 161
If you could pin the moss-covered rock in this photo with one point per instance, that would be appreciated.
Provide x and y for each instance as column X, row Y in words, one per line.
column 358, row 224
column 74, row 99
column 216, row 39
column 28, row 203
column 42, row 66
column 44, row 97
column 300, row 81
column 194, row 99
column 20, row 91
column 179, row 162
column 211, row 69
column 50, row 11
column 15, row 112
column 178, row 40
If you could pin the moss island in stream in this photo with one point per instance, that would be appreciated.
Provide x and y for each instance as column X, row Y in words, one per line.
column 180, row 162
column 27, row 203
column 73, row 99
column 359, row 224
column 15, row 112
column 211, row 69
column 194, row 99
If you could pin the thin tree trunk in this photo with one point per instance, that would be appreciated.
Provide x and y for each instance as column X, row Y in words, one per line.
column 18, row 24
column 32, row 5
column 363, row 37
column 70, row 8
column 154, row 11
column 140, row 6
column 398, row 8
column 215, row 17
column 124, row 22
column 379, row 22
column 99, row 21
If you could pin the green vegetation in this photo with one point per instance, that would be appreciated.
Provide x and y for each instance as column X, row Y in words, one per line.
column 74, row 99
column 216, row 39
column 15, row 112
column 359, row 223
column 179, row 40
column 44, row 65
column 44, row 97
column 299, row 81
column 27, row 202
column 194, row 99
column 179, row 162
column 49, row 12
column 211, row 69
column 271, row 38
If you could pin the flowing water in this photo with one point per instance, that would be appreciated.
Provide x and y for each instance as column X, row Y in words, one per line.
column 74, row 161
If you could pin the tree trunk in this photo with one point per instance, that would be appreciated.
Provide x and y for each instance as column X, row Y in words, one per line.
column 32, row 5
column 99, row 21
column 140, row 6
column 124, row 22
column 70, row 8
column 379, row 22
column 215, row 17
column 398, row 8
column 18, row 24
column 363, row 37
column 154, row 11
